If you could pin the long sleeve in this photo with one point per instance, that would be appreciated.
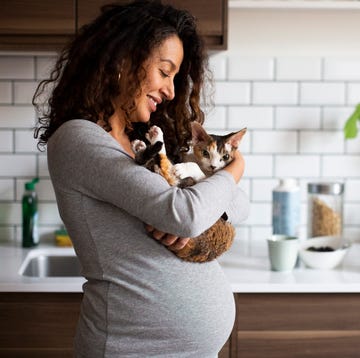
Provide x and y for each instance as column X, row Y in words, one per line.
column 90, row 161
column 238, row 209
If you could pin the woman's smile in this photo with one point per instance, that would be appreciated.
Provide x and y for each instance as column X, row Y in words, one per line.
column 161, row 69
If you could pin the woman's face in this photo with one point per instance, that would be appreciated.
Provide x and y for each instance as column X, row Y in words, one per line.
column 161, row 68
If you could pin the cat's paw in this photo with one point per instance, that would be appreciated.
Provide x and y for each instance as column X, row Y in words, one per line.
column 137, row 145
column 154, row 135
column 189, row 169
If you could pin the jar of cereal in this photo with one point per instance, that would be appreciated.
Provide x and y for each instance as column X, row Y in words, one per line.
column 325, row 209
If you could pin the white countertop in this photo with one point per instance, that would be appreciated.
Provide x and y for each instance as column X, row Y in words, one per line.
column 253, row 275
column 246, row 274
column 11, row 258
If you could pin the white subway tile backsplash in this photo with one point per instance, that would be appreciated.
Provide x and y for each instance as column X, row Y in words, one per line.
column 10, row 213
column 43, row 167
column 342, row 166
column 297, row 68
column 43, row 66
column 298, row 117
column 17, row 116
column 297, row 166
column 352, row 233
column 251, row 68
column 258, row 166
column 7, row 191
column 7, row 233
column 262, row 189
column 323, row 142
column 242, row 237
column 353, row 93
column 17, row 67
column 218, row 66
column 275, row 93
column 274, row 142
column 232, row 93
column 352, row 190
column 17, row 165
column 352, row 214
column 294, row 109
column 24, row 91
column 5, row 92
column 352, row 146
column 215, row 118
column 342, row 69
column 250, row 117
column 260, row 214
column 49, row 214
column 335, row 117
column 25, row 141
column 6, row 141
column 259, row 247
column 322, row 93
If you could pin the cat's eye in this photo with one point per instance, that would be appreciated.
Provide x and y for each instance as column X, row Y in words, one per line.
column 226, row 157
column 205, row 153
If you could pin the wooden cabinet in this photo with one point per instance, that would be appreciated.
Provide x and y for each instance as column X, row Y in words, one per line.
column 48, row 25
column 42, row 325
column 38, row 325
column 296, row 325
column 212, row 17
column 36, row 24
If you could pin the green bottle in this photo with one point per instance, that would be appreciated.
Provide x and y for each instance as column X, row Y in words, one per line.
column 30, row 234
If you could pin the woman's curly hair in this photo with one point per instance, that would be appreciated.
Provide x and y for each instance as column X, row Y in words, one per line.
column 85, row 81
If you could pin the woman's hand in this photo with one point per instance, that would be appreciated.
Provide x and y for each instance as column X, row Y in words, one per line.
column 236, row 167
column 173, row 242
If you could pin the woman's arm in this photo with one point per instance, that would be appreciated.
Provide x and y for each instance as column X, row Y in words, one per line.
column 236, row 167
column 85, row 159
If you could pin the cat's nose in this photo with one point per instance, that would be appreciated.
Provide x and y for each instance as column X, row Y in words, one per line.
column 213, row 167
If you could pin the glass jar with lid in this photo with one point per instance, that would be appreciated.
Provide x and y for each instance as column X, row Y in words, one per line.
column 325, row 209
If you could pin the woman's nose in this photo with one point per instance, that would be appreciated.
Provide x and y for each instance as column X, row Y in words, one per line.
column 168, row 90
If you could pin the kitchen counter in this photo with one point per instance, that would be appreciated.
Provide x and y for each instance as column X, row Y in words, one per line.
column 11, row 258
column 247, row 274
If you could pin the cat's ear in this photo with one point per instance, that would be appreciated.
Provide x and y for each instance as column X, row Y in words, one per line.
column 198, row 133
column 234, row 139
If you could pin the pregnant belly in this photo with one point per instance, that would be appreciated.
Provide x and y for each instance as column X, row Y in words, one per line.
column 186, row 311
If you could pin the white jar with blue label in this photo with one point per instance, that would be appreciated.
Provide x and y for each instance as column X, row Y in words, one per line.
column 286, row 208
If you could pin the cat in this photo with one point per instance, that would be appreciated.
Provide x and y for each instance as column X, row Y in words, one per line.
column 208, row 154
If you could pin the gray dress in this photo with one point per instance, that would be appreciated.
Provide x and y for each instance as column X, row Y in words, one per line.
column 140, row 300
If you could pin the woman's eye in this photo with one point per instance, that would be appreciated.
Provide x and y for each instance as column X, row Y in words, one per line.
column 226, row 157
column 206, row 153
column 164, row 74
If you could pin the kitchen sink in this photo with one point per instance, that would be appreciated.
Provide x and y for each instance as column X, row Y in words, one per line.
column 52, row 262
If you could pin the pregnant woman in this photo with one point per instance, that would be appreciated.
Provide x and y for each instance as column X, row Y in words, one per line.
column 139, row 62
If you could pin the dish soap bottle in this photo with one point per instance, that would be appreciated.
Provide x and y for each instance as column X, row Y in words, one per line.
column 30, row 234
column 286, row 208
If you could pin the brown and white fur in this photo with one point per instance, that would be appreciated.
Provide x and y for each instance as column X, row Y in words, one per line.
column 208, row 154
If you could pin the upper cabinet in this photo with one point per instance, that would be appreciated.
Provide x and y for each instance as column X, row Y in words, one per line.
column 48, row 25
column 212, row 17
column 295, row 4
column 36, row 24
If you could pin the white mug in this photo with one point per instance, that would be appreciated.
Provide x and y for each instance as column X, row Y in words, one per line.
column 283, row 252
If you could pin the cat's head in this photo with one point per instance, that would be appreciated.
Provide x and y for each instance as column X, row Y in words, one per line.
column 213, row 152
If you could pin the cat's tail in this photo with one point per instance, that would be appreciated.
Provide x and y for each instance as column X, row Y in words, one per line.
column 209, row 245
